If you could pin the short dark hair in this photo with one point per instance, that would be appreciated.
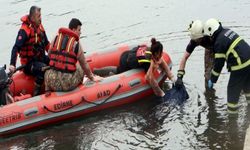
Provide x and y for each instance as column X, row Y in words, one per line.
column 33, row 10
column 74, row 23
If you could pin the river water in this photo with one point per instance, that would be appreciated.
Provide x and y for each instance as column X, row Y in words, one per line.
column 201, row 122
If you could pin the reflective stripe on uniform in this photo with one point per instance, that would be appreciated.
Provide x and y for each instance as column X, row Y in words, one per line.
column 144, row 60
column 232, row 108
column 232, row 112
column 248, row 97
column 59, row 41
column 231, row 50
column 247, row 94
column 148, row 52
column 143, row 55
column 220, row 55
column 70, row 42
column 231, row 105
column 215, row 73
column 238, row 67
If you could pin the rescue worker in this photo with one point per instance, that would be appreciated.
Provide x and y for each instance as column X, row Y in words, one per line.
column 138, row 57
column 230, row 47
column 197, row 39
column 150, row 59
column 31, row 43
column 142, row 56
column 64, row 73
column 157, row 61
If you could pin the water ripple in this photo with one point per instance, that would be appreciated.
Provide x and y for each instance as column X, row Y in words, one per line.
column 17, row 1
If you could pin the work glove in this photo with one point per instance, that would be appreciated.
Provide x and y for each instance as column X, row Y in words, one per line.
column 179, row 82
column 210, row 84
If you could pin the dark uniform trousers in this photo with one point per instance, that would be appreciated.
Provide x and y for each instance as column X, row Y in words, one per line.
column 238, row 81
column 35, row 68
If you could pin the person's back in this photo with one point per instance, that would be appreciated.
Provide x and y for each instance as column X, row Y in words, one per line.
column 138, row 57
column 224, row 39
column 65, row 74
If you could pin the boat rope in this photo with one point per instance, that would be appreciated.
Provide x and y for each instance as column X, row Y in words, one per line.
column 46, row 108
column 103, row 102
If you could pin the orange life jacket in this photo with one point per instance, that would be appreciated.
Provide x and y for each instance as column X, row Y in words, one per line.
column 143, row 54
column 35, row 36
column 62, row 55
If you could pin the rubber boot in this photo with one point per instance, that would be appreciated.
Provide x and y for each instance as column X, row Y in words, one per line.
column 232, row 108
column 248, row 98
column 37, row 90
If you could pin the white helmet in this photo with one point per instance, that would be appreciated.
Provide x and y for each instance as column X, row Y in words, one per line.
column 195, row 29
column 211, row 26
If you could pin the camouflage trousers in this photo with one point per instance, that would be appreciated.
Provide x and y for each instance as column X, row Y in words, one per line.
column 208, row 64
column 59, row 81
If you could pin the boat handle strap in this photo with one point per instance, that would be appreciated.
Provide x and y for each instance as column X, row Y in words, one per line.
column 103, row 102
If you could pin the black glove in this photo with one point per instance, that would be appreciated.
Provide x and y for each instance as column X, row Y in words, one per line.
column 179, row 82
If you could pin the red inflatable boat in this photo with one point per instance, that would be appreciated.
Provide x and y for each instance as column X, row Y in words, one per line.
column 111, row 91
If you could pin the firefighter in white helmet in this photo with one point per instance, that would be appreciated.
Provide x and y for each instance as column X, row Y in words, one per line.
column 197, row 39
column 230, row 47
